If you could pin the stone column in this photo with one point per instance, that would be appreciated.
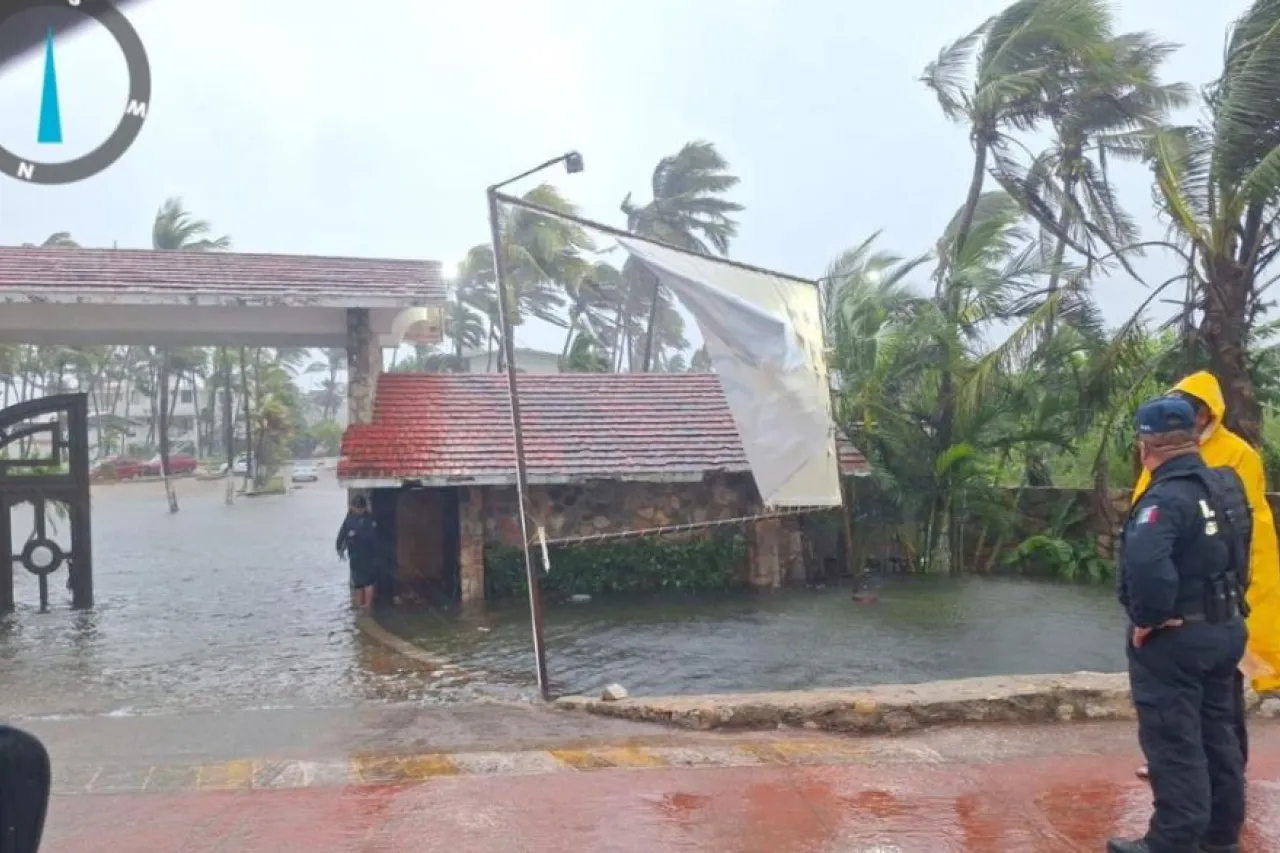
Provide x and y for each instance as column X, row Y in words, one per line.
column 792, row 556
column 764, row 540
column 471, row 545
column 364, row 363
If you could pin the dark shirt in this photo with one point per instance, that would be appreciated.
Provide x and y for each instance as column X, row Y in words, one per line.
column 1166, row 555
column 358, row 536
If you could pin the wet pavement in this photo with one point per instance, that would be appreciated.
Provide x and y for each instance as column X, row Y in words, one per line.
column 979, row 790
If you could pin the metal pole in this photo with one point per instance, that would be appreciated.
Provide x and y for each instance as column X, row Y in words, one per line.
column 506, row 308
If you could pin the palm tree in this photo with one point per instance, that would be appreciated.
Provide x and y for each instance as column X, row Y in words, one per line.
column 1218, row 185
column 688, row 210
column 56, row 240
column 542, row 254
column 333, row 363
column 176, row 230
column 1020, row 56
column 594, row 296
column 1110, row 106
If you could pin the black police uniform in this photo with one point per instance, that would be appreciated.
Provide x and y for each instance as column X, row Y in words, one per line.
column 359, row 539
column 1184, row 555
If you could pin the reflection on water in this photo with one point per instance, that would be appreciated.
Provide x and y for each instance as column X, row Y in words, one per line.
column 922, row 629
column 247, row 606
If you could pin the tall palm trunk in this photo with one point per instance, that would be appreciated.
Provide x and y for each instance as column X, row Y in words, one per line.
column 228, row 422
column 257, row 471
column 330, row 399
column 1223, row 331
column 163, row 428
column 651, row 329
column 949, row 297
column 248, row 417
column 1060, row 251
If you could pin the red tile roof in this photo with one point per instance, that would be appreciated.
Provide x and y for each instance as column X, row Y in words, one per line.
column 123, row 274
column 456, row 428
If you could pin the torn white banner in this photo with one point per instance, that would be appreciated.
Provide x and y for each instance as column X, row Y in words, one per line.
column 764, row 336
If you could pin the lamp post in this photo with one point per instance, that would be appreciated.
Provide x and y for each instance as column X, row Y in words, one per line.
column 507, row 302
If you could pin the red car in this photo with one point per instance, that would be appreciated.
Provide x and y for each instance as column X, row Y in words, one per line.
column 179, row 463
column 117, row 468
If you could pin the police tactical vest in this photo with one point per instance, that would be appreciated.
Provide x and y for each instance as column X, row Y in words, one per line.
column 1225, row 512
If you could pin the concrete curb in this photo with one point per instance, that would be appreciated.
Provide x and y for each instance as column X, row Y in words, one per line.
column 371, row 629
column 896, row 708
column 888, row 709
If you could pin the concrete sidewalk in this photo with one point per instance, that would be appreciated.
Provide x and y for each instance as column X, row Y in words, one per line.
column 986, row 788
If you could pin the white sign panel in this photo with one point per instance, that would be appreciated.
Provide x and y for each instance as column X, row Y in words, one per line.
column 764, row 335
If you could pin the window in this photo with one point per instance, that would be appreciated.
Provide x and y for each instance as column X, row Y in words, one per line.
column 184, row 395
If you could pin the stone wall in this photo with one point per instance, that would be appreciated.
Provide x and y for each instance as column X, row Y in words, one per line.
column 775, row 546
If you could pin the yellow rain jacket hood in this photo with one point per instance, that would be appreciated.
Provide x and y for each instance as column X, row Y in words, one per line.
column 1221, row 447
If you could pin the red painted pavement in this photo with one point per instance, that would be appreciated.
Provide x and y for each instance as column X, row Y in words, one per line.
column 1051, row 804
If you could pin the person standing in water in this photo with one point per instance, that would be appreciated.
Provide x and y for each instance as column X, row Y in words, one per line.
column 358, row 544
column 1221, row 447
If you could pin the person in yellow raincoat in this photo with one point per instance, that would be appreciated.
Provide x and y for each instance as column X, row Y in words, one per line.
column 1220, row 447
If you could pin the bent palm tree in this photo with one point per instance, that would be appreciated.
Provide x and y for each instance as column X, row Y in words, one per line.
column 1110, row 106
column 688, row 210
column 1219, row 185
column 176, row 230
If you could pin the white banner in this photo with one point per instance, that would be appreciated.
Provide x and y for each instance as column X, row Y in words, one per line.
column 764, row 335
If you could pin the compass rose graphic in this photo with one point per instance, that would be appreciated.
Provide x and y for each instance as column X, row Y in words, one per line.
column 49, row 128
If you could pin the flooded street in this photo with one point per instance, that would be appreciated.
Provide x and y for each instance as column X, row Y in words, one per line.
column 220, row 608
column 214, row 608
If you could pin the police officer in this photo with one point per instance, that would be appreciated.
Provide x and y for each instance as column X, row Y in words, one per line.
column 1183, row 575
column 358, row 542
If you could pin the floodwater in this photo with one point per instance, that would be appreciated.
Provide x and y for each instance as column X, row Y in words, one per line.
column 216, row 607
column 246, row 606
column 920, row 630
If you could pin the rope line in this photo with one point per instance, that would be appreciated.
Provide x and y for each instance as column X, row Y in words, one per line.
column 669, row 529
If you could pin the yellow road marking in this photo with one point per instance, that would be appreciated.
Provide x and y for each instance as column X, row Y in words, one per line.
column 426, row 766
column 600, row 759
column 381, row 769
column 226, row 776
column 391, row 769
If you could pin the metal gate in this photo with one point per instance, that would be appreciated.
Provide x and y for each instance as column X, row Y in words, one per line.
column 58, row 474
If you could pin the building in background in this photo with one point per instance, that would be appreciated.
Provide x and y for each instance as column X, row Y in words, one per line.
column 527, row 361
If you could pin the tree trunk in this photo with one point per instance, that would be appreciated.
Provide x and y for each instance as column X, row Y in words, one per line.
column 331, row 399
column 257, row 468
column 1223, row 331
column 248, row 416
column 653, row 322
column 228, row 424
column 163, row 429
column 950, row 299
column 568, row 338
column 1059, row 252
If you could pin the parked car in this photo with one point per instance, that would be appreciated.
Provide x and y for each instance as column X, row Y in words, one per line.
column 116, row 468
column 240, row 467
column 179, row 463
column 304, row 472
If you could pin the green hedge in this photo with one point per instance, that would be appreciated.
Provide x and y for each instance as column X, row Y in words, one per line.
column 623, row 566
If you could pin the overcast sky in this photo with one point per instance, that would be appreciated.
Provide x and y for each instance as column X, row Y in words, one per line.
column 305, row 126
